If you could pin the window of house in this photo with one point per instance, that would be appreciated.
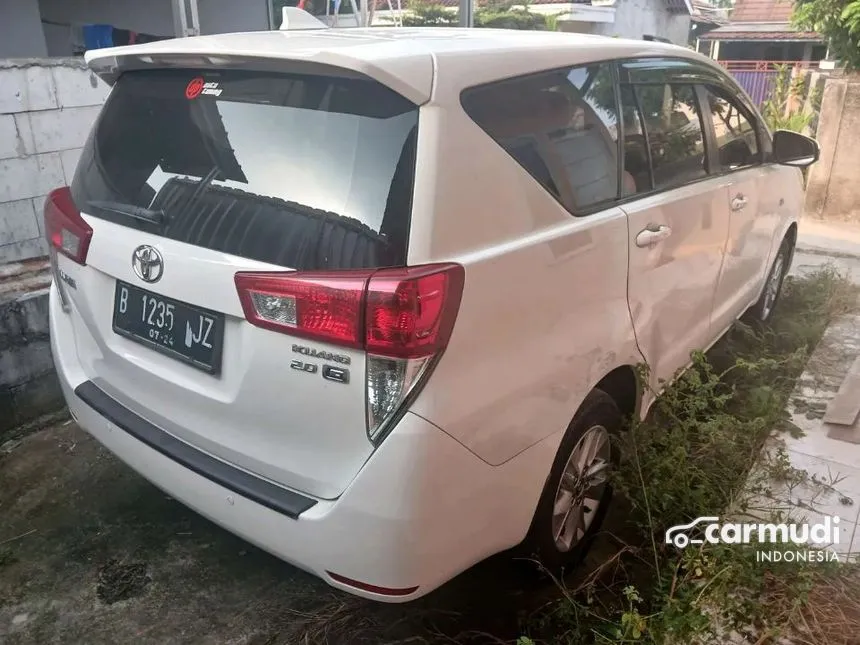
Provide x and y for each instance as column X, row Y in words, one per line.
column 560, row 126
column 675, row 136
column 736, row 138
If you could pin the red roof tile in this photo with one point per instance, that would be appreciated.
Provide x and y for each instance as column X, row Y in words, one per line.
column 757, row 35
column 762, row 11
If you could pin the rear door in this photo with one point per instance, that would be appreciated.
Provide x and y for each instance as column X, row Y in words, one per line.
column 754, row 209
column 191, row 176
column 678, row 217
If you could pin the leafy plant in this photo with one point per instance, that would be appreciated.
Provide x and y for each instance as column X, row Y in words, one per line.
column 429, row 14
column 785, row 109
column 496, row 14
column 838, row 21
column 512, row 19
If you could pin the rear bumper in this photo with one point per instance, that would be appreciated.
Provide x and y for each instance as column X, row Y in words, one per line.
column 421, row 510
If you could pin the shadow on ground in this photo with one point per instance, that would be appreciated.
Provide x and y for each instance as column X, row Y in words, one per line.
column 92, row 553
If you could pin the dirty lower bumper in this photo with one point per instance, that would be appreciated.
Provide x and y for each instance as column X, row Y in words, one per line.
column 420, row 511
column 264, row 492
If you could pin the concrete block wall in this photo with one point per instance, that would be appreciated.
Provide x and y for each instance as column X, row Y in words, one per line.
column 29, row 387
column 831, row 191
column 47, row 107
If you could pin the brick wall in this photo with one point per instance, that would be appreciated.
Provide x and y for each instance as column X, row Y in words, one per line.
column 47, row 107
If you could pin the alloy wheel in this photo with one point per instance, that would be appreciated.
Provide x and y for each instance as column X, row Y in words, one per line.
column 581, row 487
column 774, row 281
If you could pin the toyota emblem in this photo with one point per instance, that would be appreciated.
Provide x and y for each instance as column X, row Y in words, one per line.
column 147, row 263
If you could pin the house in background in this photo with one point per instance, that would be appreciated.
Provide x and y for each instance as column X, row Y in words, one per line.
column 761, row 30
column 51, row 28
column 758, row 40
column 667, row 20
column 705, row 17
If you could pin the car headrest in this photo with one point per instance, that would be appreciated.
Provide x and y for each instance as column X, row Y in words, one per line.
column 509, row 117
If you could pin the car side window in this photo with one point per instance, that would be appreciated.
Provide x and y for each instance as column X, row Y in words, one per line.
column 636, row 177
column 736, row 139
column 676, row 139
column 561, row 126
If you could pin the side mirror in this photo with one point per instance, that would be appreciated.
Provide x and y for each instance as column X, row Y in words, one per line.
column 794, row 149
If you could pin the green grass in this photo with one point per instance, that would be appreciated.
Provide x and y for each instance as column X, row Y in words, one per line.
column 693, row 457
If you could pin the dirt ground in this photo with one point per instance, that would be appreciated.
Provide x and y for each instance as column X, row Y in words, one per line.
column 92, row 553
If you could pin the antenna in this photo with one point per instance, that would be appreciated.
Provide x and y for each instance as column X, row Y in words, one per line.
column 295, row 19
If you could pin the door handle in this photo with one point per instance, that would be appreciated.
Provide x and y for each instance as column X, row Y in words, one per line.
column 652, row 234
column 739, row 203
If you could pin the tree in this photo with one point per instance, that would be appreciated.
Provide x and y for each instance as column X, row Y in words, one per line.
column 496, row 14
column 838, row 21
column 513, row 19
column 424, row 14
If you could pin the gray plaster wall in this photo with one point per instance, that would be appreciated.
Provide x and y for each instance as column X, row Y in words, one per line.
column 831, row 191
column 21, row 29
column 638, row 18
column 224, row 16
column 153, row 17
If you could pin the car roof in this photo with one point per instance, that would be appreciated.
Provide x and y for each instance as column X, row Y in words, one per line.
column 409, row 60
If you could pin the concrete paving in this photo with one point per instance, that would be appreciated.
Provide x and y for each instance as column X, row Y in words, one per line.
column 820, row 243
column 826, row 478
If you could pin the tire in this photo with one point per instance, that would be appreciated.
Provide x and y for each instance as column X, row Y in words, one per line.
column 762, row 311
column 597, row 419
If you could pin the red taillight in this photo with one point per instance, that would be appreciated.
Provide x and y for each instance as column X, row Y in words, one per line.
column 403, row 318
column 402, row 313
column 410, row 312
column 66, row 230
column 326, row 306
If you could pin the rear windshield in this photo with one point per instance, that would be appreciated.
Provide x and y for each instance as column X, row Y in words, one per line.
column 306, row 172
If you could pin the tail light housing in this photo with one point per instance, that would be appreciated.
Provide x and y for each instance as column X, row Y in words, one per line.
column 402, row 318
column 66, row 230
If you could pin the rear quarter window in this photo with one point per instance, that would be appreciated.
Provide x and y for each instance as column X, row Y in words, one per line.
column 306, row 172
column 561, row 126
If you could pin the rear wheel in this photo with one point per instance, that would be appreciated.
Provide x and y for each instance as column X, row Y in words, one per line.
column 577, row 493
column 762, row 310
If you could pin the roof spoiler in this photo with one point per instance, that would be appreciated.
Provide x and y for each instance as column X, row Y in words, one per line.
column 296, row 19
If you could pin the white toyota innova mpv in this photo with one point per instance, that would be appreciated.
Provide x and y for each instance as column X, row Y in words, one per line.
column 374, row 299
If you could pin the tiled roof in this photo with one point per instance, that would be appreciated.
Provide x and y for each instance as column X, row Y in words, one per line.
column 762, row 11
column 759, row 31
column 760, row 20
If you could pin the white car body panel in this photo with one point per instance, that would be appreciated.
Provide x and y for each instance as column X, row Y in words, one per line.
column 672, row 284
column 370, row 532
column 240, row 417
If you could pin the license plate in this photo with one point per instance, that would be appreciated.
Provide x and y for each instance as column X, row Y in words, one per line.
column 179, row 330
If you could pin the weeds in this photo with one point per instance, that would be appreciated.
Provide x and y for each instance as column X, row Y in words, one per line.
column 786, row 109
column 699, row 454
